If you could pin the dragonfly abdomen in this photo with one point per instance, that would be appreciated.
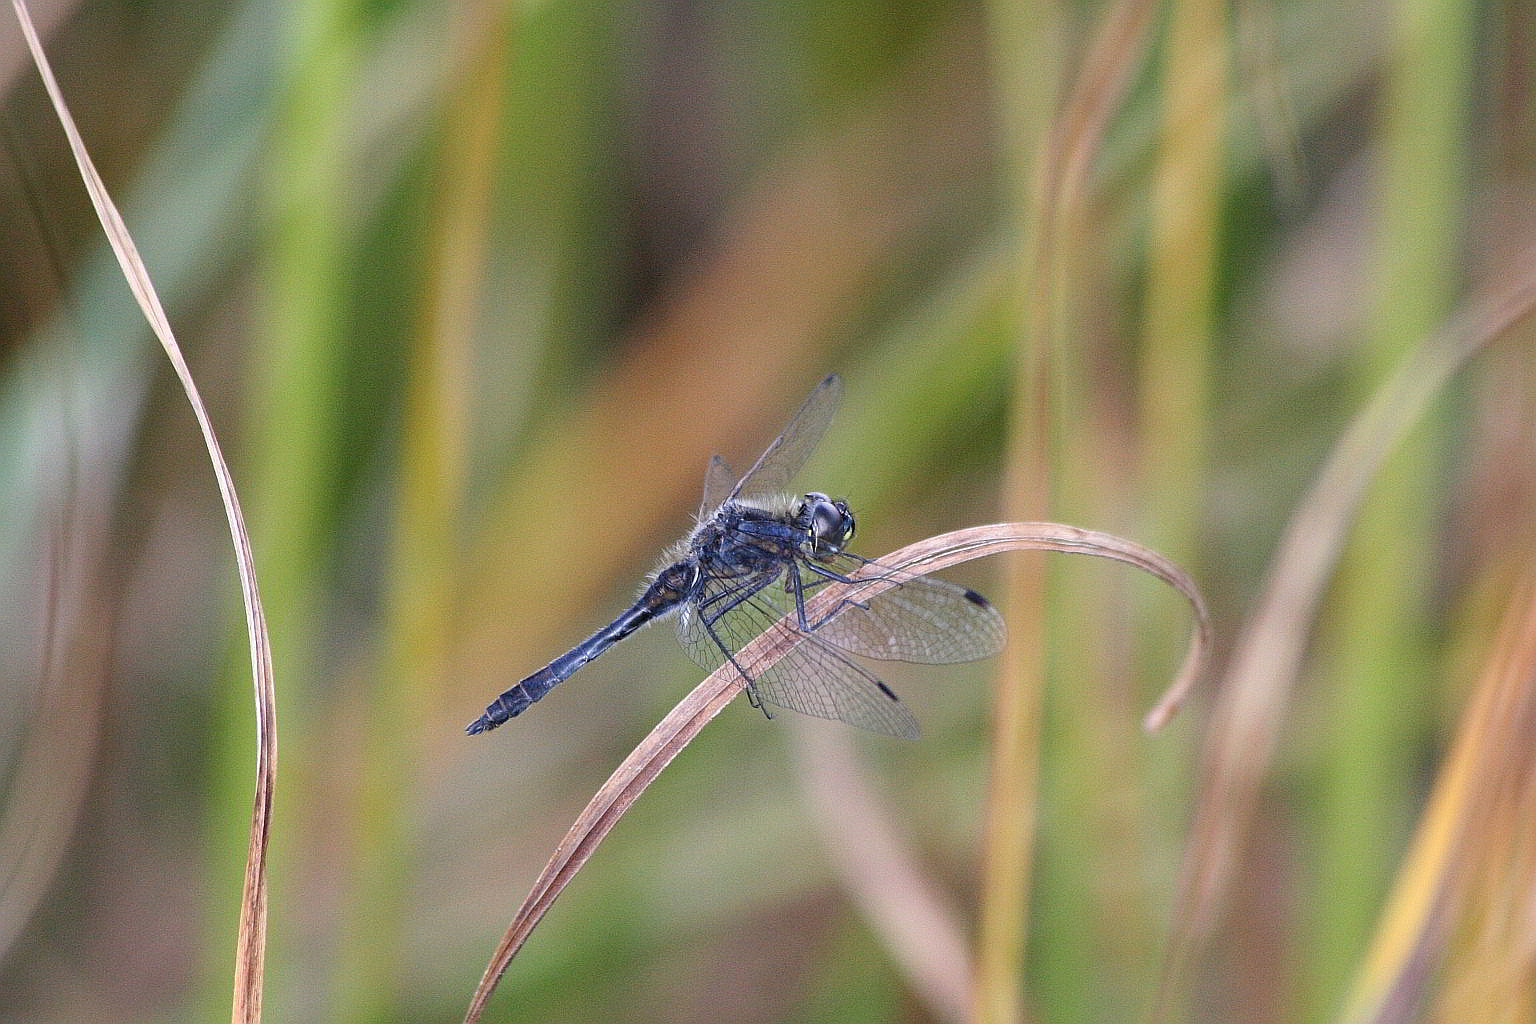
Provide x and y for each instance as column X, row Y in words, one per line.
column 667, row 592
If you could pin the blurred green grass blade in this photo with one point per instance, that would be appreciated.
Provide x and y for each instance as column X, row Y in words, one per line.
column 1179, row 320
column 1379, row 641
column 1049, row 166
column 296, row 371
column 1027, row 45
column 428, row 524
column 1177, row 351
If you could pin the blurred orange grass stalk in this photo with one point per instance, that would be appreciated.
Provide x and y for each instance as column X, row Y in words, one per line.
column 1471, row 862
column 693, row 712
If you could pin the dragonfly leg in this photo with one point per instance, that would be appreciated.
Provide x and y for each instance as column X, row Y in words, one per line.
column 756, row 700
column 793, row 574
column 709, row 614
column 749, row 684
column 827, row 576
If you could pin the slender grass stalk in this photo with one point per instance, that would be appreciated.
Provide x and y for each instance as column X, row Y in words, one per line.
column 1380, row 637
column 1027, row 46
column 251, row 937
column 1178, row 322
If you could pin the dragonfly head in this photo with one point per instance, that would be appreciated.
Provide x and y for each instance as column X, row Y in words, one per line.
column 828, row 523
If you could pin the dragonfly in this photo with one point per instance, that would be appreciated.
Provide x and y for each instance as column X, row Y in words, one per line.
column 755, row 555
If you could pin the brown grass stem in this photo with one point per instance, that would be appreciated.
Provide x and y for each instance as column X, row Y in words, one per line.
column 688, row 718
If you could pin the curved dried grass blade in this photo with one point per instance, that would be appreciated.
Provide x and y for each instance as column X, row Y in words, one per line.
column 251, row 944
column 689, row 717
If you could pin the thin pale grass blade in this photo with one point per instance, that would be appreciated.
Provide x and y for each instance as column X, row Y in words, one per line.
column 53, row 765
column 1472, row 856
column 13, row 61
column 1377, row 636
column 689, row 717
column 1258, row 681
column 908, row 910
column 1108, row 69
column 251, row 944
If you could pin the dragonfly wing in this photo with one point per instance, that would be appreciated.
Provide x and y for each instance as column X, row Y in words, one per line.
column 921, row 619
column 708, row 625
column 782, row 459
column 813, row 678
column 719, row 480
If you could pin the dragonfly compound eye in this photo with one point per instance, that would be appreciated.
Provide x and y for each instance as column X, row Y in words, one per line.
column 848, row 523
column 830, row 524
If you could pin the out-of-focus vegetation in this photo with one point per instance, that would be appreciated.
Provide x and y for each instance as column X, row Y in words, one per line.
column 475, row 290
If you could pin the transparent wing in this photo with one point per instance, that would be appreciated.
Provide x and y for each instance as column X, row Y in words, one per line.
column 921, row 619
column 719, row 481
column 771, row 473
column 813, row 678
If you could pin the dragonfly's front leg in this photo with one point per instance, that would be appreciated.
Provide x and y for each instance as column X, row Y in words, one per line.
column 828, row 575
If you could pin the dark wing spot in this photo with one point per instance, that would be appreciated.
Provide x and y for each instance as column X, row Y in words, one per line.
column 975, row 598
column 887, row 690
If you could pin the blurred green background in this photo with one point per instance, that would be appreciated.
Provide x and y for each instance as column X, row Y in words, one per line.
column 474, row 291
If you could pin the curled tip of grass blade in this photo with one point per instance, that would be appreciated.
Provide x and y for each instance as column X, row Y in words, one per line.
column 251, row 943
column 688, row 718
